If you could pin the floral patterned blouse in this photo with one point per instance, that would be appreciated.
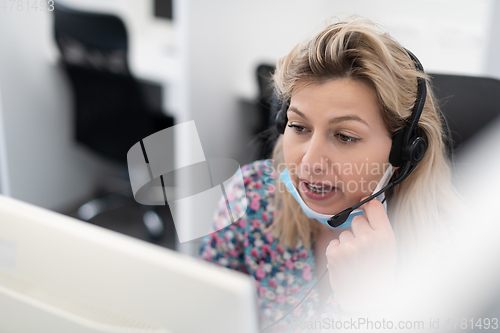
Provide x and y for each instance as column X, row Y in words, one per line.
column 282, row 275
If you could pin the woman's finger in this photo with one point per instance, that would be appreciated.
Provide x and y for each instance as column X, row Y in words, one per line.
column 360, row 226
column 346, row 236
column 376, row 215
column 332, row 244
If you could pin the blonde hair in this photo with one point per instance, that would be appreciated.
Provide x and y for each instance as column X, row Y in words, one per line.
column 358, row 50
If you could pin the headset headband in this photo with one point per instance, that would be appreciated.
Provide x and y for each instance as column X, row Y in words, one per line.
column 406, row 145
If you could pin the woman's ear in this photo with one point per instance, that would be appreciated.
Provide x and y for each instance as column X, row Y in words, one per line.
column 395, row 168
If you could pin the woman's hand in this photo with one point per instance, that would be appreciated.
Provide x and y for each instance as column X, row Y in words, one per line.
column 362, row 263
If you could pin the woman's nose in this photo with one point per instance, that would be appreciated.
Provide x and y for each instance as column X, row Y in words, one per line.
column 315, row 160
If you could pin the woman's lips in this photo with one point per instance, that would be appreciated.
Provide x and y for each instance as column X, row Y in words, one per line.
column 316, row 196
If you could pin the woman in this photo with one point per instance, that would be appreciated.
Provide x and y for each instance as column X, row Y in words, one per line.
column 349, row 90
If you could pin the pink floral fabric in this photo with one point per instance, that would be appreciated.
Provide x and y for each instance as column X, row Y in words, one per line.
column 282, row 275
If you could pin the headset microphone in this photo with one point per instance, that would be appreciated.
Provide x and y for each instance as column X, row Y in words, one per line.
column 339, row 219
column 406, row 151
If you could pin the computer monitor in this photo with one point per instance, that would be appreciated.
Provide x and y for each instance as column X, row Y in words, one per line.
column 58, row 274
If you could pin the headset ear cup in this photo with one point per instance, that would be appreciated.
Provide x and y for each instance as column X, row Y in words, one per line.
column 417, row 150
column 280, row 123
column 281, row 118
column 395, row 157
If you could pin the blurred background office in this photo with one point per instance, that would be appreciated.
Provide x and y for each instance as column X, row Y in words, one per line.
column 199, row 59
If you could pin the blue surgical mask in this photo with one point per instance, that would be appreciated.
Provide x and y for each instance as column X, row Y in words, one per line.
column 285, row 178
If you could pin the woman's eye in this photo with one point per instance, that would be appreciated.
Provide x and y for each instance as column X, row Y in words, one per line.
column 346, row 139
column 297, row 128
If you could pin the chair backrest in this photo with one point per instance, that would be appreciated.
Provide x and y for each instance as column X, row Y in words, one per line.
column 267, row 98
column 91, row 40
column 111, row 111
column 468, row 103
column 267, row 106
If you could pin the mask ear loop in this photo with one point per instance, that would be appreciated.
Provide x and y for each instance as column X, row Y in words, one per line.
column 389, row 191
column 387, row 194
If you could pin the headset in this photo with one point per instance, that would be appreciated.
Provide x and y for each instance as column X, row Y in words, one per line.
column 407, row 147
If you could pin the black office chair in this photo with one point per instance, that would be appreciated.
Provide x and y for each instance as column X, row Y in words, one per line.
column 468, row 103
column 267, row 107
column 111, row 111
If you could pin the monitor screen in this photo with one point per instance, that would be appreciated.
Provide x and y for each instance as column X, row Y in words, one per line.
column 59, row 274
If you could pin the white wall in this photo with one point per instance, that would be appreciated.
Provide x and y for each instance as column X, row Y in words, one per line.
column 227, row 39
column 491, row 66
column 44, row 166
column 4, row 168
